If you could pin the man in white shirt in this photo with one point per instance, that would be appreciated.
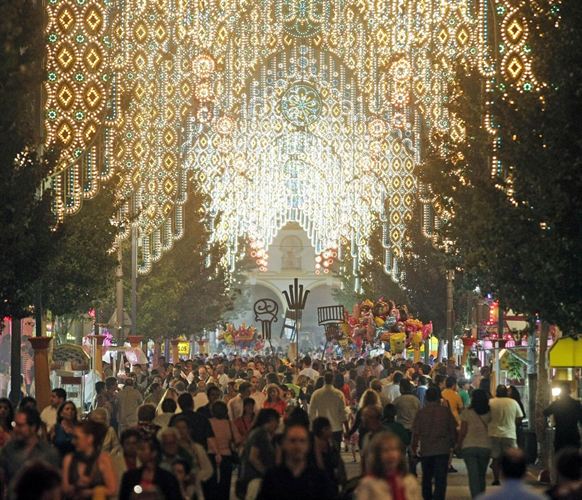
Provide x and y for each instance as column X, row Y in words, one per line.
column 505, row 413
column 307, row 370
column 329, row 402
column 235, row 405
column 392, row 390
column 221, row 377
column 49, row 414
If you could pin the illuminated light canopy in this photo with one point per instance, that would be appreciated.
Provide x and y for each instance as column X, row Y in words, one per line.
column 307, row 111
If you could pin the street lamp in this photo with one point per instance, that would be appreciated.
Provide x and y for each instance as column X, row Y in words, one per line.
column 296, row 299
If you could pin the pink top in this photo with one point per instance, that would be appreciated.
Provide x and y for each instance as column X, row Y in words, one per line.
column 224, row 434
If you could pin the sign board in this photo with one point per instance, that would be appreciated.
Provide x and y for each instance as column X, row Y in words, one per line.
column 184, row 348
column 566, row 353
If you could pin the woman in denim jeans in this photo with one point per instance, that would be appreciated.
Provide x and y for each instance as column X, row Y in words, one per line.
column 473, row 440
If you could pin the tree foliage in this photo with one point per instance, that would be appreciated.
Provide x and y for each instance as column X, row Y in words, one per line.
column 67, row 265
column 188, row 290
column 519, row 234
column 79, row 274
column 26, row 216
column 423, row 287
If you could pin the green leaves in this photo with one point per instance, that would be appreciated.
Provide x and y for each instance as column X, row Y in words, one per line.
column 520, row 234
column 183, row 295
column 79, row 274
column 25, row 218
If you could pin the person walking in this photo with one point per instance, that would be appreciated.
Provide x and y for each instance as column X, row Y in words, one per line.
column 329, row 402
column 275, row 399
column 64, row 428
column 129, row 400
column 369, row 398
column 451, row 396
column 386, row 475
column 198, row 425
column 473, row 441
column 513, row 468
column 24, row 448
column 568, row 474
column 421, row 389
column 244, row 423
column 307, row 370
column 295, row 477
column 6, row 419
column 435, row 429
column 235, row 405
column 407, row 405
column 150, row 478
column 505, row 412
column 392, row 389
column 227, row 440
column 258, row 455
column 49, row 414
column 325, row 454
column 567, row 413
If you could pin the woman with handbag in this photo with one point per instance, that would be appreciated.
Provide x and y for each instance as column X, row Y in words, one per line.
column 473, row 440
column 227, row 441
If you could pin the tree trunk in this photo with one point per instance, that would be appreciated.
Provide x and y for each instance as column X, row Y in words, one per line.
column 15, row 362
column 542, row 397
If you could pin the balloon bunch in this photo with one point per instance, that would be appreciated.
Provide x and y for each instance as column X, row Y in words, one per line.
column 372, row 323
column 243, row 337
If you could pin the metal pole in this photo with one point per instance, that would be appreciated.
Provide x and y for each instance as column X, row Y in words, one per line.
column 134, row 279
column 119, row 320
column 500, row 322
column 297, row 337
column 449, row 332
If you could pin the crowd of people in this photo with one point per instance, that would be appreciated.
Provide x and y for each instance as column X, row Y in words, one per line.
column 259, row 428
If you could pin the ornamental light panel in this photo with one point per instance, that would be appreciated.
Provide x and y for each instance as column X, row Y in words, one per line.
column 311, row 111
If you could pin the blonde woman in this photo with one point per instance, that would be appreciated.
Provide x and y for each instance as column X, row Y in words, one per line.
column 386, row 474
column 369, row 398
column 275, row 399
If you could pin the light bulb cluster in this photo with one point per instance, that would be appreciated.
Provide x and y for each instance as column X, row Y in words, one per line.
column 325, row 260
column 260, row 255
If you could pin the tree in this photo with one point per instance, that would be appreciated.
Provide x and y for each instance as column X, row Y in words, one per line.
column 519, row 233
column 540, row 136
column 374, row 282
column 188, row 290
column 422, row 287
column 424, row 283
column 79, row 274
column 26, row 217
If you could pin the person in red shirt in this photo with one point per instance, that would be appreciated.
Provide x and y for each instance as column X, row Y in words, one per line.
column 275, row 399
column 341, row 385
column 245, row 422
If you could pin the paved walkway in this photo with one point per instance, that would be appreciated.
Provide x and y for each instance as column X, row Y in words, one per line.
column 457, row 482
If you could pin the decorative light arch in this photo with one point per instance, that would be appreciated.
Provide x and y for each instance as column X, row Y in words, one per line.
column 311, row 111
